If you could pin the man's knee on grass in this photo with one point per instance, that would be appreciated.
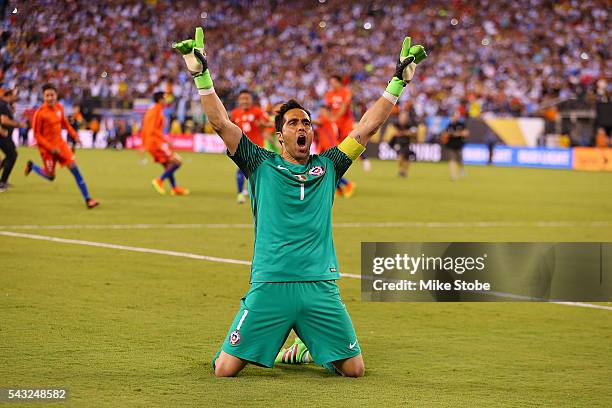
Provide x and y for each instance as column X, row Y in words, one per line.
column 227, row 365
column 351, row 367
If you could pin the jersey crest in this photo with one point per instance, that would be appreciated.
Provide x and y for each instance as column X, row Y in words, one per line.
column 317, row 171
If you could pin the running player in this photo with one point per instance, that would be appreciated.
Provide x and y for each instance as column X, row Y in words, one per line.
column 252, row 120
column 156, row 144
column 294, row 268
column 47, row 125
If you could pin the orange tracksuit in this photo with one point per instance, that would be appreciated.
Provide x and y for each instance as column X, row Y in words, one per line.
column 327, row 134
column 152, row 134
column 47, row 125
column 247, row 120
column 335, row 100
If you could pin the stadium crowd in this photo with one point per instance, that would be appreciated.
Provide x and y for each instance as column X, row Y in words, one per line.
column 509, row 59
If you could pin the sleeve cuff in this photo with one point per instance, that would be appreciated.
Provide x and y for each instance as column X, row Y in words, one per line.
column 351, row 148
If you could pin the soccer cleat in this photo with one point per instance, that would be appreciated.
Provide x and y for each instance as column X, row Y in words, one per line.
column 349, row 189
column 3, row 187
column 240, row 199
column 28, row 167
column 367, row 165
column 297, row 353
column 91, row 203
column 158, row 185
column 179, row 191
column 339, row 192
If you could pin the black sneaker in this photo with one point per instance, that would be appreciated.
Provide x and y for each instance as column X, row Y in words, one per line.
column 28, row 167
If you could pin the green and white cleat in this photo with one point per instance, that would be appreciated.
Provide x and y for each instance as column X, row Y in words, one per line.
column 297, row 353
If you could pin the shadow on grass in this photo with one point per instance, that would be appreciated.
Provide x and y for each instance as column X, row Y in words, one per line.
column 204, row 371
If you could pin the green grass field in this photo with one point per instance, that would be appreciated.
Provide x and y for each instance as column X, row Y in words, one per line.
column 123, row 328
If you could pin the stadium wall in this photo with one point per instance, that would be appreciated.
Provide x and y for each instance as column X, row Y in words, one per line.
column 577, row 158
column 520, row 132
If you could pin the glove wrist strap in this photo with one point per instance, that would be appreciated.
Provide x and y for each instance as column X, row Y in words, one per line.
column 391, row 98
column 394, row 90
column 206, row 91
column 203, row 81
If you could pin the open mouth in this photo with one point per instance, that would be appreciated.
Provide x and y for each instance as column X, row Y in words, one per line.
column 301, row 141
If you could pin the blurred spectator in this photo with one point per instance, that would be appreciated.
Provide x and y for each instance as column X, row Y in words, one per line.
column 76, row 118
column 175, row 126
column 122, row 132
column 601, row 138
column 491, row 58
column 454, row 138
column 407, row 127
column 77, row 121
column 94, row 126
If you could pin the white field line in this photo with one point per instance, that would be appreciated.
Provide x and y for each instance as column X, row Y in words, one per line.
column 414, row 224
column 216, row 259
column 123, row 226
column 581, row 304
column 124, row 247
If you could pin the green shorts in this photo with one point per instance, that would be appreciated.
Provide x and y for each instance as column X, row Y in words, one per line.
column 313, row 310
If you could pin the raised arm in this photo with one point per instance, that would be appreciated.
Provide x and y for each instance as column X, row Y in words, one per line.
column 195, row 58
column 374, row 117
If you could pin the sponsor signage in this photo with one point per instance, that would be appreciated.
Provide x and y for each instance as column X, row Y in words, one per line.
column 592, row 159
column 518, row 156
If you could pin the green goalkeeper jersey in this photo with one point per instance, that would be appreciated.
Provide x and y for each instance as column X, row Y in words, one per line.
column 292, row 212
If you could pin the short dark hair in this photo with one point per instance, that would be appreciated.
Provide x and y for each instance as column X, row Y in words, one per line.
column 279, row 119
column 337, row 78
column 245, row 91
column 49, row 86
column 158, row 96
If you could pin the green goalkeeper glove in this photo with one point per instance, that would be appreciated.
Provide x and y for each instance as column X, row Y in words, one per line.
column 195, row 58
column 404, row 70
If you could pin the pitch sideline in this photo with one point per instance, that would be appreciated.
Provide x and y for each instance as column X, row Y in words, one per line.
column 390, row 224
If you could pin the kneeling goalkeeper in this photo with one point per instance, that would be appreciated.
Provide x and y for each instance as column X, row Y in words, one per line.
column 294, row 268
